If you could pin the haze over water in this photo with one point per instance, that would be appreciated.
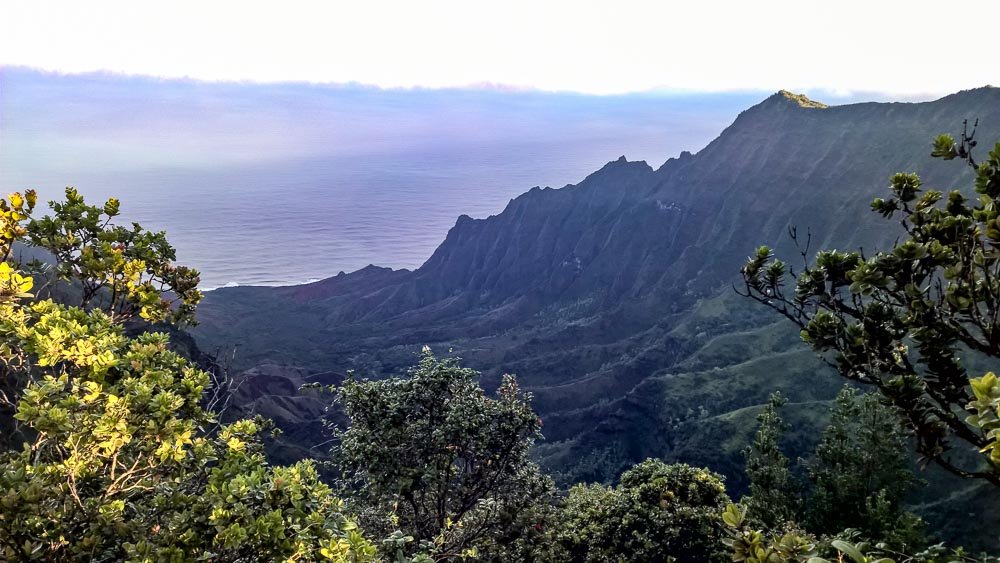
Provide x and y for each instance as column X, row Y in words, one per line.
column 273, row 184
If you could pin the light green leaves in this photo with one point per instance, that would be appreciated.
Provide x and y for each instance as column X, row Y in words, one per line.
column 13, row 285
column 13, row 212
column 119, row 463
column 111, row 207
column 124, row 417
column 905, row 186
column 855, row 552
column 945, row 147
column 986, row 412
column 128, row 270
column 734, row 515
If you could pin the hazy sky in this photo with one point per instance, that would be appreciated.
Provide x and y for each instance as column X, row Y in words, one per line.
column 904, row 48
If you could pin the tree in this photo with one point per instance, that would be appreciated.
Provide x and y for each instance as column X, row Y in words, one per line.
column 119, row 459
column 127, row 272
column 582, row 523
column 658, row 512
column 774, row 494
column 447, row 462
column 861, row 474
column 901, row 320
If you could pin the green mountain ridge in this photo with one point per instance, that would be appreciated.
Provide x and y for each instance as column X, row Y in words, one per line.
column 612, row 299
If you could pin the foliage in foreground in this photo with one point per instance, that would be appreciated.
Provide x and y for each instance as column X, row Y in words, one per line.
column 901, row 320
column 658, row 512
column 448, row 463
column 749, row 545
column 120, row 461
column 126, row 271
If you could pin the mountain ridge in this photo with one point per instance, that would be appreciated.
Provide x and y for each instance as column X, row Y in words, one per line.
column 578, row 245
column 611, row 299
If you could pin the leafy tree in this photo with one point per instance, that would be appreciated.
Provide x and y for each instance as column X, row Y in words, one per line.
column 127, row 272
column 861, row 474
column 774, row 494
column 750, row 545
column 900, row 320
column 447, row 462
column 658, row 512
column 581, row 522
column 118, row 462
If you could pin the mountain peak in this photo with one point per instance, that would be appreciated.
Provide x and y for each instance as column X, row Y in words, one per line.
column 761, row 117
column 987, row 92
column 623, row 162
column 799, row 99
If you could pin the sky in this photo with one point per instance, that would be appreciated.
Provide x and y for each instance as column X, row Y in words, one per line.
column 905, row 49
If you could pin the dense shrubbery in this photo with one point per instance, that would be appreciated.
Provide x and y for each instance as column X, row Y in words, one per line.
column 434, row 457
column 658, row 512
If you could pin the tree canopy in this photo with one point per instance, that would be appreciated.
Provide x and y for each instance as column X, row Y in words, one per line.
column 126, row 271
column 446, row 462
column 657, row 512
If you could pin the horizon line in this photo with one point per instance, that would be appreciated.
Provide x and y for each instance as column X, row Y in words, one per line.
column 487, row 86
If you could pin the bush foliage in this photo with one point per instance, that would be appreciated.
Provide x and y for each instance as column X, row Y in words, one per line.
column 658, row 512
column 118, row 460
column 432, row 455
